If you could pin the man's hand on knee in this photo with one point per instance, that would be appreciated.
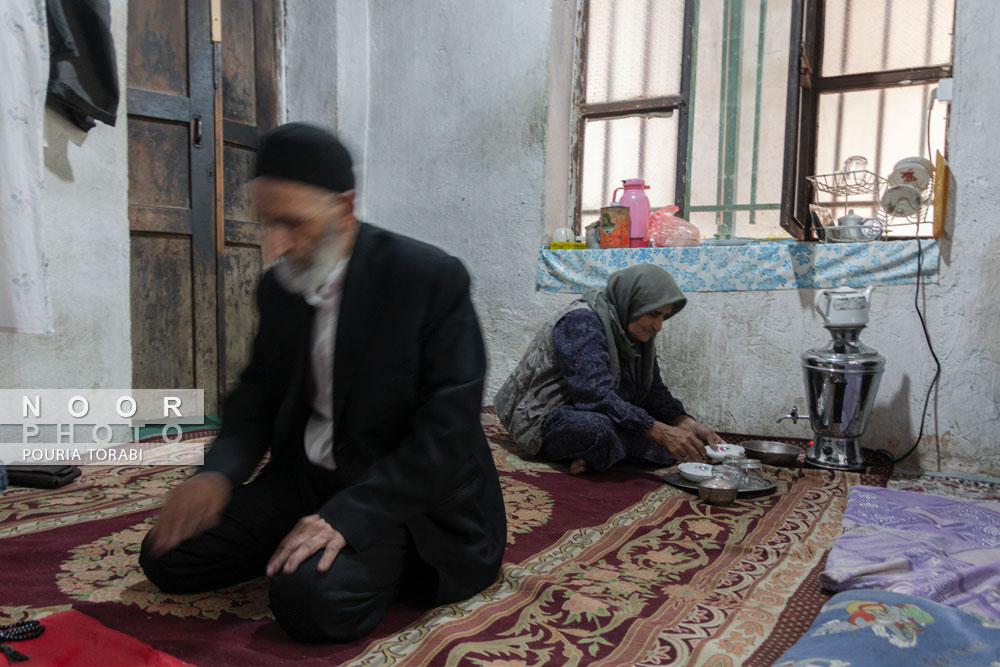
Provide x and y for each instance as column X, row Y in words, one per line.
column 191, row 509
column 309, row 535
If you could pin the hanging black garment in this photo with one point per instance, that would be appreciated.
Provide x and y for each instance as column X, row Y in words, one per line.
column 83, row 69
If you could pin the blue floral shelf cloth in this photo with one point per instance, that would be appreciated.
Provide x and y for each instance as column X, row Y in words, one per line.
column 770, row 265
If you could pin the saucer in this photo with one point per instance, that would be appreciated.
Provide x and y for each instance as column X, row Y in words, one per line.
column 723, row 451
column 696, row 472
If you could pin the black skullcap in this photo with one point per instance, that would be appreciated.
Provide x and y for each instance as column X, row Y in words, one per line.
column 307, row 154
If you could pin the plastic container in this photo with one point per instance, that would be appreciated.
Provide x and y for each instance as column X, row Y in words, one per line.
column 667, row 230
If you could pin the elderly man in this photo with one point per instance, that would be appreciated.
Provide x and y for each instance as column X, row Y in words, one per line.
column 366, row 383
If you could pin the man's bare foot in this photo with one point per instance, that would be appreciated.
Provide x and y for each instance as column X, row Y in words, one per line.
column 577, row 467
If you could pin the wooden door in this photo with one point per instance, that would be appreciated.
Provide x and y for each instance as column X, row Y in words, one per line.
column 249, row 107
column 171, row 194
column 195, row 249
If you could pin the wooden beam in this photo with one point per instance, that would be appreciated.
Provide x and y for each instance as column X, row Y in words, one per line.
column 634, row 107
column 896, row 77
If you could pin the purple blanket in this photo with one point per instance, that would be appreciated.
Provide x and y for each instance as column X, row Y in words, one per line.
column 936, row 548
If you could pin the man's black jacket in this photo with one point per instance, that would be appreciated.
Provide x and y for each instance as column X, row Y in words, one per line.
column 409, row 366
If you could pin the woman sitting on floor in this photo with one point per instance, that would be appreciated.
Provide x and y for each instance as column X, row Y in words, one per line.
column 589, row 391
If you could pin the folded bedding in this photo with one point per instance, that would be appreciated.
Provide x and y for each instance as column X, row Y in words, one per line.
column 933, row 547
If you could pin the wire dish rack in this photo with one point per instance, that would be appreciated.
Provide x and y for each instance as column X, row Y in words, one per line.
column 847, row 184
column 844, row 185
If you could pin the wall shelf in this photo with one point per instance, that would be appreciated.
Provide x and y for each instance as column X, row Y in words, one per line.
column 769, row 265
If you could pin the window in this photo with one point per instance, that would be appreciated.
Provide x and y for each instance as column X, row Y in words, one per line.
column 868, row 71
column 631, row 119
column 724, row 107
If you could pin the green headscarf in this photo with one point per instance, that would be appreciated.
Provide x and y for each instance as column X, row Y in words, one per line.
column 631, row 293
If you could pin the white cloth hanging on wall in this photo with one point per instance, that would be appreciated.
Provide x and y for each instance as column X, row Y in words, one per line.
column 24, row 52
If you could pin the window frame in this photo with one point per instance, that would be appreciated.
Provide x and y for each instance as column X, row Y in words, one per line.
column 805, row 87
column 635, row 107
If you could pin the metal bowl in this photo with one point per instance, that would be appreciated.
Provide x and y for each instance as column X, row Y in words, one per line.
column 717, row 491
column 771, row 452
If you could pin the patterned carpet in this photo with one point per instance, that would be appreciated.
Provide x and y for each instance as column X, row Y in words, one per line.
column 952, row 486
column 609, row 569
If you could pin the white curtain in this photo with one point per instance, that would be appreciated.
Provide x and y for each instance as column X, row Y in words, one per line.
column 24, row 54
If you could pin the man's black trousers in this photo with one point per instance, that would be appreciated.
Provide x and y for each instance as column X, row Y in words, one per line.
column 342, row 604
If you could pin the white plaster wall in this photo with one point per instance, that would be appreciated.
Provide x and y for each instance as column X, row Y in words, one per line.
column 309, row 73
column 447, row 106
column 87, row 242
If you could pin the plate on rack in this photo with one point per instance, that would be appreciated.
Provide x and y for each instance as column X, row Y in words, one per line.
column 901, row 201
column 915, row 171
column 753, row 487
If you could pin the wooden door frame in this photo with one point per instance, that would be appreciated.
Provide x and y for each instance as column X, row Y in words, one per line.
column 233, row 133
column 193, row 111
column 205, row 227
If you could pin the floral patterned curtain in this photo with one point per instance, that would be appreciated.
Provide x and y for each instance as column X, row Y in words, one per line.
column 24, row 52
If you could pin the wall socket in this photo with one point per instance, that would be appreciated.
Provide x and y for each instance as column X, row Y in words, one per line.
column 945, row 89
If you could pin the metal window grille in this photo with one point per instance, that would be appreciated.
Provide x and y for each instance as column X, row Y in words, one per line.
column 630, row 100
column 867, row 72
column 847, row 77
column 740, row 92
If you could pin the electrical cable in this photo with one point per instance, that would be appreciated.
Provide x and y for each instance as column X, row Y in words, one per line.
column 930, row 346
column 916, row 306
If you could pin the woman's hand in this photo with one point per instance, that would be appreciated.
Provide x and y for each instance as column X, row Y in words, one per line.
column 681, row 442
column 703, row 433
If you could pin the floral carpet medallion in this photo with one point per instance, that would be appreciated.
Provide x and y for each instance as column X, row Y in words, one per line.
column 107, row 570
column 527, row 506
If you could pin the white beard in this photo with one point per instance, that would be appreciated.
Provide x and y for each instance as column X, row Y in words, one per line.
column 323, row 260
